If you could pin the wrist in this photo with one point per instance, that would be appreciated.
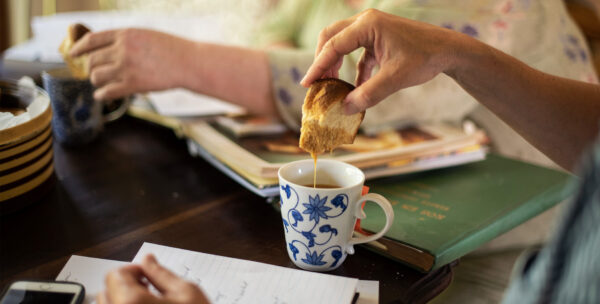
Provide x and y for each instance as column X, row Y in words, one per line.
column 187, row 66
column 461, row 53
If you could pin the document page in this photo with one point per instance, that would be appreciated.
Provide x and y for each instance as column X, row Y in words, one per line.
column 89, row 272
column 229, row 280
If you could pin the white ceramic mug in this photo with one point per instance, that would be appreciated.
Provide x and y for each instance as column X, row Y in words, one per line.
column 318, row 222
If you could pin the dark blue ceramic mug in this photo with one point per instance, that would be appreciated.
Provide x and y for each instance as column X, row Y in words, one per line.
column 77, row 118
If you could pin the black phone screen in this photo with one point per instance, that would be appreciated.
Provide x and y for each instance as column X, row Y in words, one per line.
column 18, row 296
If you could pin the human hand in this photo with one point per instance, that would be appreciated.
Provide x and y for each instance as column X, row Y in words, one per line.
column 129, row 285
column 407, row 52
column 127, row 61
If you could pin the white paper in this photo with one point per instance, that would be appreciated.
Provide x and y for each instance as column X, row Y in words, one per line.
column 368, row 292
column 229, row 280
column 90, row 272
column 183, row 103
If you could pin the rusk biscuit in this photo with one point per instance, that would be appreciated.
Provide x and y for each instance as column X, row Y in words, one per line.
column 79, row 66
column 324, row 124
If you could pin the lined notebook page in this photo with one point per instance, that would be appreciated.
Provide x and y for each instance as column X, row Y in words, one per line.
column 229, row 280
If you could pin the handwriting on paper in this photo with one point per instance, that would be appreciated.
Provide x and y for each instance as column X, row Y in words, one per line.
column 229, row 280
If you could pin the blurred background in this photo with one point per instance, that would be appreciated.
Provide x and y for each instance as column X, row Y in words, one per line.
column 17, row 17
column 22, row 20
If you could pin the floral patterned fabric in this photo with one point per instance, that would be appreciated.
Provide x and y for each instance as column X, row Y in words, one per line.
column 539, row 33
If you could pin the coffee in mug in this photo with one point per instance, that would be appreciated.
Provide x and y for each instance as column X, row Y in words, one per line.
column 325, row 186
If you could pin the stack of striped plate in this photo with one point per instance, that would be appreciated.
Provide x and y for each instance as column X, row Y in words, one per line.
column 26, row 158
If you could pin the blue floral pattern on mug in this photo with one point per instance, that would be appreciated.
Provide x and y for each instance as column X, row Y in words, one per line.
column 311, row 244
column 316, row 208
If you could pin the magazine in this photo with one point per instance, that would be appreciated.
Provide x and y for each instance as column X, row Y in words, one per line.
column 268, row 187
column 262, row 156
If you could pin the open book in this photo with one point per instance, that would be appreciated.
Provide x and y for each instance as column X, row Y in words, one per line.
column 229, row 280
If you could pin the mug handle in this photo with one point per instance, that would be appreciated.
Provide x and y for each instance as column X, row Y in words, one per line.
column 120, row 111
column 359, row 213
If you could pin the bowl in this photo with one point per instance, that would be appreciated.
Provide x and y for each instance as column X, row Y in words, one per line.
column 26, row 155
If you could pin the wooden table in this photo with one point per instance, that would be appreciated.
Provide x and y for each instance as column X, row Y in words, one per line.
column 137, row 183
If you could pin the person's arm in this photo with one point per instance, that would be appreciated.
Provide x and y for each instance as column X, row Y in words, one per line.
column 557, row 115
column 129, row 61
column 239, row 75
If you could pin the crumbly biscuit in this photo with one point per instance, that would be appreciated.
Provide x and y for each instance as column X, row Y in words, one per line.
column 79, row 66
column 324, row 124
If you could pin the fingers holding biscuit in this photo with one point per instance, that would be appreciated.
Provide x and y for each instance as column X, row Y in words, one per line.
column 103, row 56
column 113, row 90
column 330, row 59
column 331, row 31
column 365, row 66
column 369, row 93
column 104, row 74
column 92, row 41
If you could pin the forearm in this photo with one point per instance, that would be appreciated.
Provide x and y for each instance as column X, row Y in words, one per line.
column 559, row 116
column 234, row 74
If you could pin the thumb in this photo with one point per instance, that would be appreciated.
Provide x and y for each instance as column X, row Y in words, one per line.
column 370, row 93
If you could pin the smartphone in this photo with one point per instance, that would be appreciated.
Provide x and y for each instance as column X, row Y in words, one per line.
column 34, row 292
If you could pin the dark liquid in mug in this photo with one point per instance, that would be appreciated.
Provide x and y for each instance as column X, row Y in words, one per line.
column 322, row 186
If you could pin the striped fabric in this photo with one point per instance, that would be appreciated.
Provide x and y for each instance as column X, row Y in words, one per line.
column 567, row 269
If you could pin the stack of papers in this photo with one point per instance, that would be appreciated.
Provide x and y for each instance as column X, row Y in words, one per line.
column 229, row 280
column 184, row 103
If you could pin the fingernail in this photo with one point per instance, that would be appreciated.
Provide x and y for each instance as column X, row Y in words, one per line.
column 97, row 96
column 303, row 82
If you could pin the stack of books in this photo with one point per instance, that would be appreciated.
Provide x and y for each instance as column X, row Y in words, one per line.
column 252, row 149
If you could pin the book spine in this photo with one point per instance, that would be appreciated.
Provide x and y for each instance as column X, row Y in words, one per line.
column 415, row 258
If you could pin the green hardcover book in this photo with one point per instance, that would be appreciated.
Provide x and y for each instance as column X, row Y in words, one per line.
column 442, row 215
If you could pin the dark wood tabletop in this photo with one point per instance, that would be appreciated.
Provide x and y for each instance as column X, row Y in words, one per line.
column 137, row 183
